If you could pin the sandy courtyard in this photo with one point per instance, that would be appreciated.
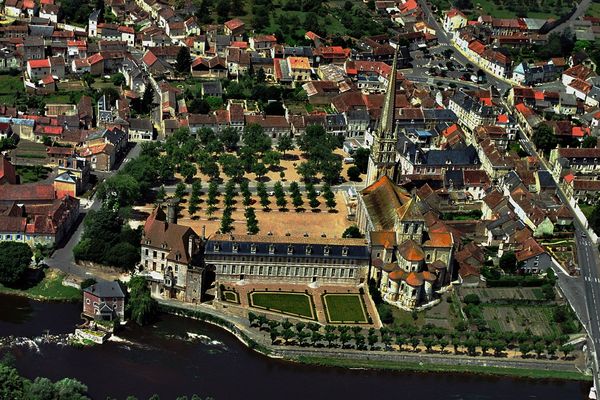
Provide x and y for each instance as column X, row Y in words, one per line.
column 275, row 221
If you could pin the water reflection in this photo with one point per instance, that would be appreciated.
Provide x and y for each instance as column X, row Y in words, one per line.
column 181, row 357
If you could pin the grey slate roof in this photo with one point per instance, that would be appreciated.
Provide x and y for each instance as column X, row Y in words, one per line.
column 105, row 289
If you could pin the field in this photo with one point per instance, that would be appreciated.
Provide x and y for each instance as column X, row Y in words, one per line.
column 536, row 320
column 491, row 294
column 49, row 288
column 231, row 296
column 543, row 9
column 32, row 151
column 345, row 308
column 29, row 174
column 9, row 85
column 593, row 10
column 299, row 304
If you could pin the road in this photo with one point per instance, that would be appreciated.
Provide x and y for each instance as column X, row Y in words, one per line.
column 583, row 293
column 444, row 39
column 581, row 9
column 62, row 258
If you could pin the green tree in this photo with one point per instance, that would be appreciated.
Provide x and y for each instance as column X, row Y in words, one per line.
column 187, row 170
column 184, row 60
column 543, row 137
column 161, row 194
column 15, row 257
column 260, row 170
column 123, row 255
column 226, row 221
column 354, row 173
column 508, row 262
column 352, row 232
column 180, row 190
column 140, row 305
column 255, row 139
column 70, row 389
column 119, row 190
column 361, row 159
column 230, row 138
column 271, row 158
column 118, row 79
column 285, row 144
column 11, row 384
column 232, row 166
column 590, row 142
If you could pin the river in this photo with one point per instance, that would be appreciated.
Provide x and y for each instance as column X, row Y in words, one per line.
column 164, row 359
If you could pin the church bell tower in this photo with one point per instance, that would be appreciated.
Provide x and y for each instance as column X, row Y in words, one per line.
column 382, row 160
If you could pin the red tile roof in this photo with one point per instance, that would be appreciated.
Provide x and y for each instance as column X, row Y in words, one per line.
column 44, row 63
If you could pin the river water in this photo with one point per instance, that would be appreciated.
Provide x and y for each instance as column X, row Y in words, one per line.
column 167, row 360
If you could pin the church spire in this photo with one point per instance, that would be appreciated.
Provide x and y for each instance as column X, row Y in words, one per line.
column 386, row 123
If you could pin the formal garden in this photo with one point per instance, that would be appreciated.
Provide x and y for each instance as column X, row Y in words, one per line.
column 289, row 303
column 410, row 338
column 345, row 308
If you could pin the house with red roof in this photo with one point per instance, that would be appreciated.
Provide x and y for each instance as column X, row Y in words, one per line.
column 38, row 69
column 454, row 20
column 36, row 213
column 262, row 42
column 234, row 27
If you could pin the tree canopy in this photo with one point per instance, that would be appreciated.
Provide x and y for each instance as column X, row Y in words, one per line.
column 14, row 259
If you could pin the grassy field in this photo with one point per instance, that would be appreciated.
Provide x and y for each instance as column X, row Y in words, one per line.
column 346, row 308
column 422, row 367
column 543, row 9
column 49, row 288
column 490, row 294
column 10, row 84
column 537, row 320
column 231, row 296
column 29, row 174
column 299, row 304
column 593, row 10
column 587, row 209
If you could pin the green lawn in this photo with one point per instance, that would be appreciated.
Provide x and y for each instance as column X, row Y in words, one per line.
column 586, row 209
column 345, row 308
column 593, row 10
column 10, row 84
column 49, row 288
column 230, row 296
column 29, row 174
column 299, row 304
column 542, row 9
column 427, row 367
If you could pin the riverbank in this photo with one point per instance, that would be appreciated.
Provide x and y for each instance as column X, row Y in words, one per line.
column 385, row 360
column 427, row 367
column 50, row 288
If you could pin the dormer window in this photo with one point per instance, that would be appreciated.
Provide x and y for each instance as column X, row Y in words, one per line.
column 309, row 249
column 326, row 250
column 217, row 247
column 345, row 251
column 253, row 248
column 235, row 247
column 290, row 249
column 271, row 248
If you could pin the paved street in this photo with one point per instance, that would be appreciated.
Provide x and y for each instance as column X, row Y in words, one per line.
column 62, row 258
column 582, row 292
column 581, row 9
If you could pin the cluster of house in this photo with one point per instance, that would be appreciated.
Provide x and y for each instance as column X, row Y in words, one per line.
column 422, row 173
column 37, row 213
column 481, row 39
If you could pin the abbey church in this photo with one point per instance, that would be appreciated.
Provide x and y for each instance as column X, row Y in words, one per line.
column 411, row 263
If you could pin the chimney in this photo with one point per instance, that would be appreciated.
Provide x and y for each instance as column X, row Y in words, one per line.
column 172, row 211
column 191, row 245
column 203, row 232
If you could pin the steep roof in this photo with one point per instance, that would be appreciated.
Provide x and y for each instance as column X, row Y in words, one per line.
column 174, row 238
column 411, row 251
